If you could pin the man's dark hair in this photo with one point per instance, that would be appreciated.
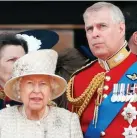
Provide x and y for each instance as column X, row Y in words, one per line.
column 130, row 20
column 11, row 39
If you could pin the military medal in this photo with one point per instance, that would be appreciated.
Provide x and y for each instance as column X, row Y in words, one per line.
column 130, row 114
column 135, row 92
column 114, row 96
column 135, row 88
column 128, row 96
column 135, row 98
column 132, row 92
column 122, row 94
column 130, row 132
column 118, row 93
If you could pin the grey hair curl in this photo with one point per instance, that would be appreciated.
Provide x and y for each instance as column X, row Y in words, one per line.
column 53, row 84
column 116, row 13
column 16, row 88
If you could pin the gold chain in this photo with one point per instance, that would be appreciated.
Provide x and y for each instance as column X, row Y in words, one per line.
column 83, row 100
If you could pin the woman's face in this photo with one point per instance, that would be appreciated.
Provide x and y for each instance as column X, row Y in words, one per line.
column 35, row 91
column 8, row 55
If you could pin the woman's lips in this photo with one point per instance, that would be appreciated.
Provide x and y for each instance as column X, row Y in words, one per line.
column 36, row 99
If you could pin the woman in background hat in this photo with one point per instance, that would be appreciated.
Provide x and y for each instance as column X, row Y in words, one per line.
column 35, row 85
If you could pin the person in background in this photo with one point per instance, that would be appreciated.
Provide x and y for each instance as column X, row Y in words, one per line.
column 103, row 93
column 35, row 84
column 69, row 60
column 11, row 48
column 131, row 26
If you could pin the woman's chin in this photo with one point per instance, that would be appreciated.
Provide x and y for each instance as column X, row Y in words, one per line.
column 35, row 106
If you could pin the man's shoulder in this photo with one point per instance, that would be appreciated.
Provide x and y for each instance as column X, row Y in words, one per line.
column 84, row 68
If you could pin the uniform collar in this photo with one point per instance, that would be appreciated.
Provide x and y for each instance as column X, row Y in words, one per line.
column 116, row 59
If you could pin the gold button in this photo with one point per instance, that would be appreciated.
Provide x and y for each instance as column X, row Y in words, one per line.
column 108, row 78
column 105, row 95
column 106, row 87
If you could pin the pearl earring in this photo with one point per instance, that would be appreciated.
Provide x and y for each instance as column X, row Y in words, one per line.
column 18, row 96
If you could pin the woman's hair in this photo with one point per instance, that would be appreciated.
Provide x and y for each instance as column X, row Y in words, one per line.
column 54, row 85
column 11, row 39
column 116, row 13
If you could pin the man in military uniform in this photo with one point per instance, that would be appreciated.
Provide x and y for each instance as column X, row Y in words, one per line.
column 104, row 92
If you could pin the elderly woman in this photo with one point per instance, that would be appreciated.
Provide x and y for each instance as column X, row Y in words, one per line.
column 35, row 85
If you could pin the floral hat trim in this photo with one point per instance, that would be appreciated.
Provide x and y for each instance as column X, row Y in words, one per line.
column 33, row 43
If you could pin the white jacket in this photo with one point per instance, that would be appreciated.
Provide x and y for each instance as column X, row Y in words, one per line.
column 59, row 123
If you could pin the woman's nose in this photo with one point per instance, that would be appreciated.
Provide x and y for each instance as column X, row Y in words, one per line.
column 36, row 88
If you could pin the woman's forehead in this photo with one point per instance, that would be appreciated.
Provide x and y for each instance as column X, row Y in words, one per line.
column 36, row 77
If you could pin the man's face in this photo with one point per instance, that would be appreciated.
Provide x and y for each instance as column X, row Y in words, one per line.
column 105, row 37
column 8, row 55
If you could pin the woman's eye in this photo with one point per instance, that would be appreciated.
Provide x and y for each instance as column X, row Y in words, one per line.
column 12, row 60
column 29, row 82
column 43, row 83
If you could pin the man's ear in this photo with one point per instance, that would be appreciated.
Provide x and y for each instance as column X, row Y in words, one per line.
column 134, row 38
column 122, row 29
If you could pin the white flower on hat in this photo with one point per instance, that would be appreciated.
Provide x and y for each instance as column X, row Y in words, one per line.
column 33, row 42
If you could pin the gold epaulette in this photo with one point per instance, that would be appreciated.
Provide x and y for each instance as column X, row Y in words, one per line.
column 83, row 68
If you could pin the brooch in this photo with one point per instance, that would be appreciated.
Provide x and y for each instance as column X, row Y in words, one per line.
column 129, row 113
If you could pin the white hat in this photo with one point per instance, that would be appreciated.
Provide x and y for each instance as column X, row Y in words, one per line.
column 41, row 62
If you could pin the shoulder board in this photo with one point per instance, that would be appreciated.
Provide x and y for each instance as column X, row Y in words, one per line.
column 83, row 68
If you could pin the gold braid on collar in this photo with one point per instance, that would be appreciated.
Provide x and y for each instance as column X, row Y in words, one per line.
column 81, row 102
